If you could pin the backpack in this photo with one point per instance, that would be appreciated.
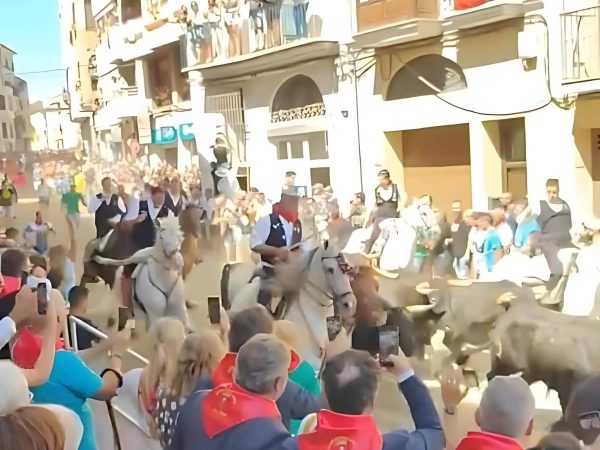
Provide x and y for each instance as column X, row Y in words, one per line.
column 6, row 193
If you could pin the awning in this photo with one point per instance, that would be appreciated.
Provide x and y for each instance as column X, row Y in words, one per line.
column 294, row 127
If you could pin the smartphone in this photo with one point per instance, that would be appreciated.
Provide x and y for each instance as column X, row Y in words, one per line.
column 334, row 326
column 125, row 322
column 214, row 310
column 389, row 342
column 42, row 298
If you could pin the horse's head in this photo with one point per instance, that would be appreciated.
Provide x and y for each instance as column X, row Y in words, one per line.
column 338, row 275
column 169, row 235
column 189, row 220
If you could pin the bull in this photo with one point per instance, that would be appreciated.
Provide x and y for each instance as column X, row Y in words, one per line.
column 466, row 313
column 548, row 346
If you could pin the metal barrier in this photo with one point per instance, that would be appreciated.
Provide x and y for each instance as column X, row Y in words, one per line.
column 74, row 322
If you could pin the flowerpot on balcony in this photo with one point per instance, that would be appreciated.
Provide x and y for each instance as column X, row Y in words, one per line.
column 466, row 4
column 156, row 24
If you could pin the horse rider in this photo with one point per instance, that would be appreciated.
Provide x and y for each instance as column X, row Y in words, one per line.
column 143, row 215
column 272, row 237
column 108, row 208
column 175, row 198
column 387, row 199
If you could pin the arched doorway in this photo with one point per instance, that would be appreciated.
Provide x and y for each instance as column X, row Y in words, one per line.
column 435, row 160
column 305, row 152
column 426, row 75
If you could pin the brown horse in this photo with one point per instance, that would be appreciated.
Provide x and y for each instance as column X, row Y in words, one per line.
column 190, row 222
column 373, row 310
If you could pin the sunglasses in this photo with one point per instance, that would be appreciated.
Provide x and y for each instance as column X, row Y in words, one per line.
column 589, row 420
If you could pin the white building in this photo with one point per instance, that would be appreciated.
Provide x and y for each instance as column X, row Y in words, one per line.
column 466, row 99
column 53, row 127
column 15, row 130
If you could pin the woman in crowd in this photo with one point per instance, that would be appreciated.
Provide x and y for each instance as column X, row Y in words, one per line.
column 31, row 427
column 167, row 336
column 198, row 358
column 71, row 383
column 62, row 267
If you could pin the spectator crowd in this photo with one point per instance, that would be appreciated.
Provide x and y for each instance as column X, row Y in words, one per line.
column 238, row 385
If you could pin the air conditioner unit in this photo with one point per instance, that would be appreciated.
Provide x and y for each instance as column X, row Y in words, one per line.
column 529, row 45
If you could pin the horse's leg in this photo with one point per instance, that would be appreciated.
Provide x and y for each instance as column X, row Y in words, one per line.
column 176, row 304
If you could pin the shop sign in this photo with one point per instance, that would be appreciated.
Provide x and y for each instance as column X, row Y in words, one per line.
column 168, row 135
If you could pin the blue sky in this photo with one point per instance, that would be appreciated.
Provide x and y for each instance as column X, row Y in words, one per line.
column 32, row 29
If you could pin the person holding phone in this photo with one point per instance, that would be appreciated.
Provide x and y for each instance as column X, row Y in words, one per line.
column 350, row 381
column 272, row 237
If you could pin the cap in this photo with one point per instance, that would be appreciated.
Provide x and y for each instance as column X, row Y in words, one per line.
column 384, row 173
column 592, row 223
column 584, row 404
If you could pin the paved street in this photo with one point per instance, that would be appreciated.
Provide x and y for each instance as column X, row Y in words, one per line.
column 391, row 410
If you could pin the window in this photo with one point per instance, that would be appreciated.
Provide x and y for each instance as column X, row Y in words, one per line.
column 4, row 131
column 2, row 103
column 512, row 139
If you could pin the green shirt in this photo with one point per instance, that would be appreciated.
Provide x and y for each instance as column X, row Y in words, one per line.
column 71, row 202
column 305, row 377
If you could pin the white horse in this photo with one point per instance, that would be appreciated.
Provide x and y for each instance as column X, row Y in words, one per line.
column 157, row 281
column 321, row 280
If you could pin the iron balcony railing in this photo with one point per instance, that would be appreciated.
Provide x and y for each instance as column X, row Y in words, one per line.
column 581, row 44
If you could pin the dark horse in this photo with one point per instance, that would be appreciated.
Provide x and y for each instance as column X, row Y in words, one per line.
column 371, row 309
column 119, row 246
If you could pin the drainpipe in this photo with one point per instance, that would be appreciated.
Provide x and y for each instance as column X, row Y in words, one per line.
column 360, row 164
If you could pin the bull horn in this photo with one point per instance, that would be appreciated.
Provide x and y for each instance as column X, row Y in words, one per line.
column 424, row 288
column 470, row 349
column 384, row 273
column 418, row 308
column 506, row 299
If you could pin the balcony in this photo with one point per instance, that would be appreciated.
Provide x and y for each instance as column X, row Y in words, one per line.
column 464, row 14
column 581, row 45
column 222, row 46
column 389, row 22
column 7, row 76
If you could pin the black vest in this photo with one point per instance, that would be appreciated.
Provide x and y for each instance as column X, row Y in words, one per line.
column 144, row 233
column 176, row 208
column 104, row 213
column 393, row 201
column 277, row 237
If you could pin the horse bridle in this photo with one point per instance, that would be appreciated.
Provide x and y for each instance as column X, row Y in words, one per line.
column 345, row 268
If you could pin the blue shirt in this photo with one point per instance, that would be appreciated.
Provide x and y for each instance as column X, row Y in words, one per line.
column 524, row 230
column 70, row 384
column 491, row 243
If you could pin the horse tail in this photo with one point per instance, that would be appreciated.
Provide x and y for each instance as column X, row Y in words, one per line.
column 225, row 300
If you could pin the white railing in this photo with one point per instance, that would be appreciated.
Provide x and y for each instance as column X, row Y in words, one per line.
column 581, row 44
column 74, row 322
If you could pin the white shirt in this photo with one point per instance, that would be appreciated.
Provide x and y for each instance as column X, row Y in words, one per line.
column 386, row 193
column 262, row 229
column 263, row 209
column 536, row 207
column 133, row 209
column 505, row 234
column 96, row 202
column 8, row 329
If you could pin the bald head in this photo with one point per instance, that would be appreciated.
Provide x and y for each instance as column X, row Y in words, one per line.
column 350, row 382
column 262, row 364
column 507, row 407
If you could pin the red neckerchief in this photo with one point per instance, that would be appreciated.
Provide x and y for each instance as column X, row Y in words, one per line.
column 28, row 347
column 229, row 405
column 289, row 216
column 341, row 432
column 11, row 284
column 223, row 374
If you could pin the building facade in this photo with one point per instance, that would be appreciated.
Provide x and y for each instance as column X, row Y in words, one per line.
column 15, row 129
column 482, row 96
column 53, row 127
column 459, row 99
